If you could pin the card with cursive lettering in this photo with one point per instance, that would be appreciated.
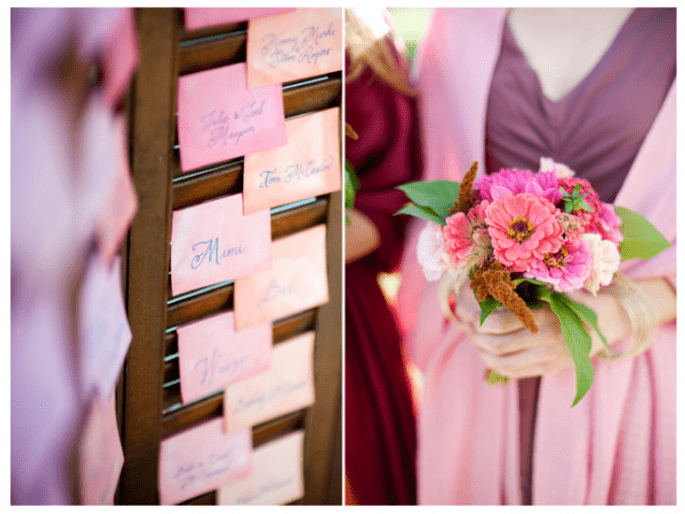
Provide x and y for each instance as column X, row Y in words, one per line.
column 219, row 118
column 103, row 326
column 202, row 17
column 212, row 354
column 296, row 281
column 287, row 386
column 295, row 45
column 309, row 165
column 202, row 459
column 213, row 241
column 276, row 477
column 120, row 204
column 100, row 457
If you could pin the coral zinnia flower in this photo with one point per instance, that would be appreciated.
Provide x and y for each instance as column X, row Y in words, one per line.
column 466, row 237
column 568, row 269
column 522, row 228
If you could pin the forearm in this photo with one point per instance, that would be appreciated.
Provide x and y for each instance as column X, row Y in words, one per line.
column 361, row 236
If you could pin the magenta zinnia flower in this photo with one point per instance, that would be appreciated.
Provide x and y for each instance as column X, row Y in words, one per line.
column 493, row 187
column 522, row 228
column 567, row 269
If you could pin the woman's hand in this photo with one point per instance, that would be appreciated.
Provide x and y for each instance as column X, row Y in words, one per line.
column 361, row 236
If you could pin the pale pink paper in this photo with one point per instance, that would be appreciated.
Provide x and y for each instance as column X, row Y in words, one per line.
column 296, row 281
column 202, row 17
column 211, row 354
column 104, row 330
column 276, row 477
column 120, row 205
column 101, row 456
column 292, row 46
column 309, row 165
column 219, row 118
column 213, row 242
column 202, row 459
column 287, row 386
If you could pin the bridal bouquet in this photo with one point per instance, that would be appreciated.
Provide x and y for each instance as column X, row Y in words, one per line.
column 522, row 238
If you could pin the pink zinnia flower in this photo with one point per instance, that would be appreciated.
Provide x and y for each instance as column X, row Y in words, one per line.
column 567, row 269
column 522, row 228
column 610, row 223
column 466, row 236
column 492, row 187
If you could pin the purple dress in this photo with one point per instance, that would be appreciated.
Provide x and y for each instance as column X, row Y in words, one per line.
column 592, row 129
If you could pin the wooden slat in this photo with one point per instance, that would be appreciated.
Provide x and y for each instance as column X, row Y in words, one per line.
column 217, row 182
column 226, row 49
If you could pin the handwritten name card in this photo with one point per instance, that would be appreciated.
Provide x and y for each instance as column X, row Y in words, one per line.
column 297, row 280
column 201, row 459
column 104, row 329
column 202, row 17
column 276, row 477
column 211, row 354
column 101, row 457
column 292, row 46
column 219, row 118
column 309, row 165
column 213, row 242
column 287, row 386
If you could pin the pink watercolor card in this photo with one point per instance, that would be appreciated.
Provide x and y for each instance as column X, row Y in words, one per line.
column 100, row 457
column 297, row 280
column 202, row 17
column 104, row 329
column 213, row 242
column 276, row 477
column 202, row 459
column 292, row 46
column 212, row 354
column 120, row 205
column 287, row 386
column 309, row 165
column 220, row 119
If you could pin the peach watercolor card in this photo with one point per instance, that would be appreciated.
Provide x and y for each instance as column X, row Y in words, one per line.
column 293, row 46
column 296, row 281
column 213, row 242
column 101, row 457
column 276, row 477
column 219, row 118
column 309, row 165
column 202, row 459
column 287, row 386
column 212, row 354
column 202, row 17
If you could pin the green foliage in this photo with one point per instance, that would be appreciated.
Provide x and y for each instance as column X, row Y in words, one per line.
column 351, row 187
column 641, row 240
column 434, row 199
column 487, row 307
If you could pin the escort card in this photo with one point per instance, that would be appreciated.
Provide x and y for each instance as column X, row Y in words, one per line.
column 297, row 280
column 276, row 477
column 104, row 329
column 213, row 242
column 211, row 354
column 219, row 118
column 202, row 459
column 101, row 457
column 202, row 17
column 287, row 386
column 120, row 203
column 292, row 46
column 309, row 165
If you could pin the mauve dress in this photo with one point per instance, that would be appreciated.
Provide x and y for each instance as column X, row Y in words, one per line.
column 596, row 129
column 380, row 431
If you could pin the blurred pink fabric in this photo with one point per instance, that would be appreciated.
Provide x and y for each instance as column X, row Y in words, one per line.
column 617, row 446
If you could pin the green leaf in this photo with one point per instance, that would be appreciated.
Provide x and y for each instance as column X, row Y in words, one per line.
column 585, row 206
column 487, row 307
column 587, row 315
column 578, row 342
column 351, row 185
column 641, row 239
column 568, row 207
column 436, row 195
column 421, row 212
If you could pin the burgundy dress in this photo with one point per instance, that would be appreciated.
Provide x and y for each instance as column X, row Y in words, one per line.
column 596, row 129
column 380, row 432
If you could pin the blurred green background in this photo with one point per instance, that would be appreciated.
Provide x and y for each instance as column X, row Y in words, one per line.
column 411, row 23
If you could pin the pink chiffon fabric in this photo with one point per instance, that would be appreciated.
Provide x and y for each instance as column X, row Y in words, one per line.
column 618, row 445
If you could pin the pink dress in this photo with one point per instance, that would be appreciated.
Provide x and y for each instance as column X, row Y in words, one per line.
column 617, row 446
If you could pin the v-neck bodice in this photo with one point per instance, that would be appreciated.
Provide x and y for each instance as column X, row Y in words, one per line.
column 598, row 126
